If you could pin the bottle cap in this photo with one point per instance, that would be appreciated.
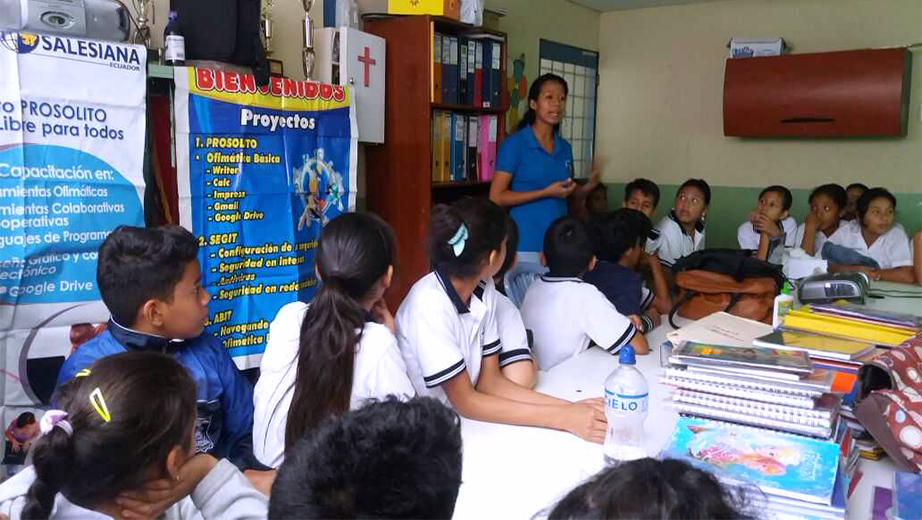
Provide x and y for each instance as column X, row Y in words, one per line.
column 626, row 355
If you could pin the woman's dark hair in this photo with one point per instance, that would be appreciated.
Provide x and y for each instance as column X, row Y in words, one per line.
column 534, row 92
column 150, row 400
column 864, row 202
column 25, row 419
column 486, row 230
column 650, row 488
column 861, row 186
column 834, row 191
column 355, row 251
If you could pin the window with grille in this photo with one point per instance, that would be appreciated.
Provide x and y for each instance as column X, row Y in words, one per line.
column 580, row 67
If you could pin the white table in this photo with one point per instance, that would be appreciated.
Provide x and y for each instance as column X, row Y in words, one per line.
column 513, row 472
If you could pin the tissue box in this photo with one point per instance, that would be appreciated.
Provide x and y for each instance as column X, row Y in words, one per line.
column 748, row 48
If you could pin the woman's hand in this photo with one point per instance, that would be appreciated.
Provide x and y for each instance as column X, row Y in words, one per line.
column 560, row 189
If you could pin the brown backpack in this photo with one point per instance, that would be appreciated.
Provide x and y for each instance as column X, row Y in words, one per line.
column 702, row 293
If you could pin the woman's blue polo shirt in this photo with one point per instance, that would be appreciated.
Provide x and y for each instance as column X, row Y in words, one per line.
column 532, row 168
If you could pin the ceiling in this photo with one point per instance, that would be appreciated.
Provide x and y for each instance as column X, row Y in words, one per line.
column 620, row 5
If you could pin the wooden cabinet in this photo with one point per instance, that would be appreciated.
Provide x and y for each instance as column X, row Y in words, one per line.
column 399, row 185
column 830, row 94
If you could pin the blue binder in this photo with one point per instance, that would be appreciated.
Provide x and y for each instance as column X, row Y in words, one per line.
column 457, row 147
column 496, row 79
column 487, row 74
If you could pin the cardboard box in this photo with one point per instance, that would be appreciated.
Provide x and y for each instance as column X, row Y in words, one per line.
column 447, row 8
column 754, row 47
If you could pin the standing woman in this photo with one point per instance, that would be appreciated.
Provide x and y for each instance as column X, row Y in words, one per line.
column 534, row 168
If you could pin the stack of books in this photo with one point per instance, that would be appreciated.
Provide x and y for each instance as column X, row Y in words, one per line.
column 851, row 322
column 756, row 386
column 794, row 476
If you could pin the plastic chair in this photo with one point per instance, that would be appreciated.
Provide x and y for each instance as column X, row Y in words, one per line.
column 518, row 279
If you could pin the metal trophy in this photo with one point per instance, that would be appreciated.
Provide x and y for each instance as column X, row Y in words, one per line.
column 145, row 10
column 308, row 52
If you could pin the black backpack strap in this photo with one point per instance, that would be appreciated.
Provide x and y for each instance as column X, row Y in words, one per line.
column 675, row 308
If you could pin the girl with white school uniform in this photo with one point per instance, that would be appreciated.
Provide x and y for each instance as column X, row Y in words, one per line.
column 123, row 443
column 448, row 334
column 827, row 206
column 332, row 355
column 874, row 235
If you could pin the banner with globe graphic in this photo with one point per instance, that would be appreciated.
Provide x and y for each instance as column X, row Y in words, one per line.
column 72, row 127
column 260, row 171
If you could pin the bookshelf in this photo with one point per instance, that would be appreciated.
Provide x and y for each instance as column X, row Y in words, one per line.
column 399, row 172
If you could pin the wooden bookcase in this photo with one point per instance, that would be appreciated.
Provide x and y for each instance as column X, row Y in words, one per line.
column 399, row 183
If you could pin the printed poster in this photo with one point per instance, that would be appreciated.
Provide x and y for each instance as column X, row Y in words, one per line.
column 71, row 170
column 260, row 172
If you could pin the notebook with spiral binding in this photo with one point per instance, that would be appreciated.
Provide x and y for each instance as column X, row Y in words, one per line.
column 677, row 378
column 821, row 415
column 802, row 427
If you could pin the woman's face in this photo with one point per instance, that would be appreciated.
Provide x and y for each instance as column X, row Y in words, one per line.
column 879, row 216
column 551, row 105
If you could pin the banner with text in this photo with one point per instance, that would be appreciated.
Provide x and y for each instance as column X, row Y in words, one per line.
column 260, row 171
column 71, row 170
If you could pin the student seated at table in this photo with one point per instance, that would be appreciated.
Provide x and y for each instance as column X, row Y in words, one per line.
column 448, row 335
column 388, row 459
column 643, row 195
column 649, row 488
column 827, row 205
column 618, row 240
column 328, row 357
column 566, row 314
column 770, row 227
column 854, row 191
column 874, row 236
column 515, row 360
column 151, row 282
column 682, row 231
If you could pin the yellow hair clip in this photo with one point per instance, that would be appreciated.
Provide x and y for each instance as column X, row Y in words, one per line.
column 99, row 404
column 83, row 373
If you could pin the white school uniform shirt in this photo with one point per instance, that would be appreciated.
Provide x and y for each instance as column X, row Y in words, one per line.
column 441, row 337
column 567, row 316
column 890, row 250
column 515, row 341
column 749, row 238
column 224, row 493
column 653, row 242
column 378, row 371
column 818, row 240
column 674, row 243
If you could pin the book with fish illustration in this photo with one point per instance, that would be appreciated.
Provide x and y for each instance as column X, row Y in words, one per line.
column 778, row 463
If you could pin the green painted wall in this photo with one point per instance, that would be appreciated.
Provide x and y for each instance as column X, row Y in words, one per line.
column 730, row 206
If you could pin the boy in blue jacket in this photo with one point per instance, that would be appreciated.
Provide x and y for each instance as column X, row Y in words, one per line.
column 150, row 280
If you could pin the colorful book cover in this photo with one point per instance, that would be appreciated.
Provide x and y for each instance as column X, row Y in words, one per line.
column 692, row 352
column 779, row 464
column 907, row 495
column 814, row 344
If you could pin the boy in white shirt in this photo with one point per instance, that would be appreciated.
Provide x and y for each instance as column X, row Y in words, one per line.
column 770, row 225
column 874, row 235
column 643, row 195
column 566, row 314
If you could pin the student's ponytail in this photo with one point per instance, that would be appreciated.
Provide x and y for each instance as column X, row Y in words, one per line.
column 52, row 459
column 355, row 251
column 534, row 92
column 461, row 236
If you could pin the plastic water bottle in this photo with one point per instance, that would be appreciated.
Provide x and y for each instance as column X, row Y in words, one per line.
column 626, row 401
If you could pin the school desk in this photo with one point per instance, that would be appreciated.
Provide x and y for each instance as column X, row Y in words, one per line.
column 515, row 472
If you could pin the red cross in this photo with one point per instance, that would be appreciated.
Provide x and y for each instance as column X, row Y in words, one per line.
column 367, row 61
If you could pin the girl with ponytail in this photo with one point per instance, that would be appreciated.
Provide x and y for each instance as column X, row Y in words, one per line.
column 127, row 420
column 328, row 357
column 448, row 333
column 535, row 168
